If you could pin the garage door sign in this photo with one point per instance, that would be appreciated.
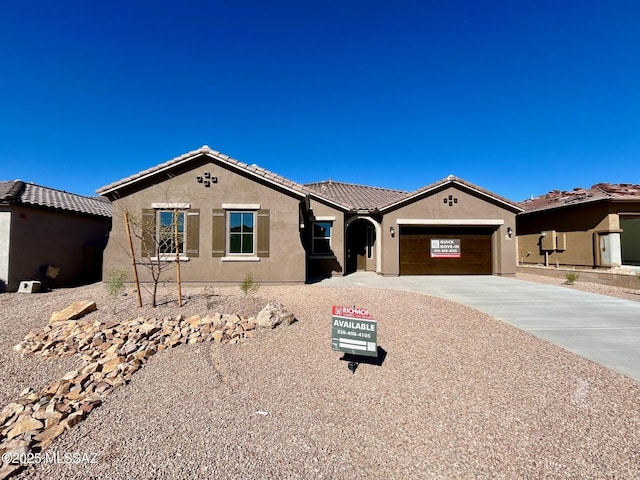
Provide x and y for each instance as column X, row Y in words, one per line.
column 354, row 331
column 445, row 248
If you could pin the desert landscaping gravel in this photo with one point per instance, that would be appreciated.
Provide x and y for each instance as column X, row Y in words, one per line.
column 457, row 395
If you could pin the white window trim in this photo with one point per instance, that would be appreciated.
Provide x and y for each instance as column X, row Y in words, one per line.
column 241, row 206
column 169, row 258
column 240, row 257
column 324, row 218
column 171, row 206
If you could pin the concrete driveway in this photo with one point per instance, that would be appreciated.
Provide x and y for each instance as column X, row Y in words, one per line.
column 603, row 329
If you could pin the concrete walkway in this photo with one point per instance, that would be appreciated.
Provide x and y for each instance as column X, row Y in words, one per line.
column 603, row 329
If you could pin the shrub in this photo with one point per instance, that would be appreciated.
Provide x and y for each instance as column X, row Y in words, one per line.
column 248, row 285
column 572, row 277
column 115, row 283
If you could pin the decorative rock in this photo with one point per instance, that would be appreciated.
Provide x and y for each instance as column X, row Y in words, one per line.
column 25, row 425
column 272, row 315
column 73, row 312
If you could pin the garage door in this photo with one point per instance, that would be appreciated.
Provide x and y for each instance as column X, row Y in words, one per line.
column 469, row 252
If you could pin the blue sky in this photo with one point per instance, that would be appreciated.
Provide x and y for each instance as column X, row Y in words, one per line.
column 519, row 97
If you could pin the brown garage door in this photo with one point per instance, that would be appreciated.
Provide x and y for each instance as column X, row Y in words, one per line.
column 475, row 251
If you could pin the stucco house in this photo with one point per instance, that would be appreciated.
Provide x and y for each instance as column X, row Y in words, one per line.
column 224, row 219
column 42, row 227
column 597, row 227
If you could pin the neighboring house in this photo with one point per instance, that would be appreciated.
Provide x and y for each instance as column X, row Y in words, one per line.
column 42, row 227
column 592, row 227
column 233, row 219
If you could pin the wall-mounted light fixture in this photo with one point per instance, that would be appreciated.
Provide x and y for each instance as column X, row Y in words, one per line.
column 509, row 232
column 392, row 231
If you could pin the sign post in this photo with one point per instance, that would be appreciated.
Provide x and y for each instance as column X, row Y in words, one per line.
column 354, row 332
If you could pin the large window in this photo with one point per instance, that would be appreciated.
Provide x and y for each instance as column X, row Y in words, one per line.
column 171, row 232
column 322, row 238
column 241, row 233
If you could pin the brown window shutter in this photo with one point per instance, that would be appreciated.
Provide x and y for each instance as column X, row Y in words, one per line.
column 263, row 233
column 218, row 222
column 193, row 232
column 148, row 232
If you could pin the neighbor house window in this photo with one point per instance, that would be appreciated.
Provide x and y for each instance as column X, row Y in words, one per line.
column 241, row 233
column 171, row 232
column 321, row 244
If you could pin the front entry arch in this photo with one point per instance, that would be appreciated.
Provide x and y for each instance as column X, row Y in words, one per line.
column 363, row 252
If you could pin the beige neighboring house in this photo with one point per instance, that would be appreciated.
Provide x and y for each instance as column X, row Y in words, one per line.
column 43, row 227
column 235, row 219
column 597, row 227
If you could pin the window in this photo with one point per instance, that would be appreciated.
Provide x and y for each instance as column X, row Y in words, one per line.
column 321, row 243
column 159, row 224
column 171, row 232
column 241, row 233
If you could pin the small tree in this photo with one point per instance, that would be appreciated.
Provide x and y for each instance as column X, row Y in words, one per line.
column 158, row 245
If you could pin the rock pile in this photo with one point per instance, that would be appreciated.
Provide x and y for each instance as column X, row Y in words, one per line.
column 111, row 353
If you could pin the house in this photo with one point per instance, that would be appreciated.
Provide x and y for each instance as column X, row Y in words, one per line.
column 224, row 219
column 597, row 227
column 43, row 227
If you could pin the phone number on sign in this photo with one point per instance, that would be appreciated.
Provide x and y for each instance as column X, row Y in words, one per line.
column 30, row 458
column 353, row 333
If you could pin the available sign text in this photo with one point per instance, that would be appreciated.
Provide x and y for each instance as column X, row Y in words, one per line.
column 354, row 331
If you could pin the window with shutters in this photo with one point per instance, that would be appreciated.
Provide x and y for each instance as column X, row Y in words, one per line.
column 240, row 232
column 170, row 231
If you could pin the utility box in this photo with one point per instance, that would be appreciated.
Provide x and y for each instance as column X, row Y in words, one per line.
column 561, row 242
column 32, row 286
column 549, row 240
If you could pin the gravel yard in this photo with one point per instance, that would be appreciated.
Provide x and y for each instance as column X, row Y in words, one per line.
column 458, row 395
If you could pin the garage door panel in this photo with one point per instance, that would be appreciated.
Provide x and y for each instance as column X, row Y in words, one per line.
column 475, row 251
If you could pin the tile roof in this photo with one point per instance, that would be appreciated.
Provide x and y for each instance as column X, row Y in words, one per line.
column 355, row 197
column 343, row 195
column 21, row 193
column 579, row 195
column 451, row 179
column 253, row 170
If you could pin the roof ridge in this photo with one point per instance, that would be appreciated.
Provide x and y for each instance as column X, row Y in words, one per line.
column 331, row 181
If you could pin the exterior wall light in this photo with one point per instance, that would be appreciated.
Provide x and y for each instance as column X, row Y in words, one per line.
column 392, row 231
column 509, row 232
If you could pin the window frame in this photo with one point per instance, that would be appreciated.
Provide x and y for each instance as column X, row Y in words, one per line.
column 325, row 238
column 171, row 208
column 228, row 233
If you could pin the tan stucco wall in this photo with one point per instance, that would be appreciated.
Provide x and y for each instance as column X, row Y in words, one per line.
column 323, row 266
column 470, row 206
column 286, row 261
column 579, row 223
column 42, row 237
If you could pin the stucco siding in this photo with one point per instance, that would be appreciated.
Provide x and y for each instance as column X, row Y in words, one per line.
column 286, row 260
column 466, row 207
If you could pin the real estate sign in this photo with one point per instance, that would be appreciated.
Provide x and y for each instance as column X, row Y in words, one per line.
column 445, row 248
column 354, row 331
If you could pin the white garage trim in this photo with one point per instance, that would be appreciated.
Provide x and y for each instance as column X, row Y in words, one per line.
column 451, row 221
column 5, row 231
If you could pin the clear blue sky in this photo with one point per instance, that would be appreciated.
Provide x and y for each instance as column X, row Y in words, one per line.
column 517, row 97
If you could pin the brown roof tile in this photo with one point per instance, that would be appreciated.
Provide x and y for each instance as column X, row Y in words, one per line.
column 21, row 193
column 579, row 195
column 355, row 197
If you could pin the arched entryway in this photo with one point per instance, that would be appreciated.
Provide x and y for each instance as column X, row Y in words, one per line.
column 363, row 245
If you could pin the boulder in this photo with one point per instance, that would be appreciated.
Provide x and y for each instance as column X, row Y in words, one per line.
column 274, row 314
column 73, row 312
